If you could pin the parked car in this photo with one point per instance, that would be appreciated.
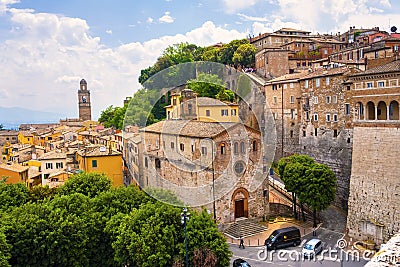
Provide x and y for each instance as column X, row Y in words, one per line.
column 312, row 248
column 240, row 263
column 284, row 237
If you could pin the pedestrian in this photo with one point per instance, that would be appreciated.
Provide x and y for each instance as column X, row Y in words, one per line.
column 314, row 231
column 241, row 242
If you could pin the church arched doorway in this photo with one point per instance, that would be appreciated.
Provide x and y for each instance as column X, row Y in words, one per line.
column 240, row 202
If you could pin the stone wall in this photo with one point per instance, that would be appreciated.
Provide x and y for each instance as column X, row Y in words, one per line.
column 375, row 184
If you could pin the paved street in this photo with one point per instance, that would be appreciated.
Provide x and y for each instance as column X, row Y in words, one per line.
column 331, row 255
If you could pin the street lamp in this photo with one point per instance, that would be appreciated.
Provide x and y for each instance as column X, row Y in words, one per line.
column 185, row 218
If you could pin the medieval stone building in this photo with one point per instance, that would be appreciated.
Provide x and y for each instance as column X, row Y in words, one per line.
column 85, row 112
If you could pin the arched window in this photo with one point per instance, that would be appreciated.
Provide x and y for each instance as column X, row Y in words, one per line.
column 236, row 148
column 254, row 145
column 370, row 111
column 394, row 110
column 158, row 163
column 222, row 146
column 242, row 147
column 382, row 110
column 146, row 164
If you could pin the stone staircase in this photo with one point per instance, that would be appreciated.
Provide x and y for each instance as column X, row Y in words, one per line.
column 244, row 227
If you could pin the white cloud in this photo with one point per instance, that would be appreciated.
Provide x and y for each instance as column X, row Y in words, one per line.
column 149, row 20
column 252, row 18
column 234, row 5
column 166, row 18
column 109, row 32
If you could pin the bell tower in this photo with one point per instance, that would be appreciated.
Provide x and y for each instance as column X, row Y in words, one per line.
column 85, row 112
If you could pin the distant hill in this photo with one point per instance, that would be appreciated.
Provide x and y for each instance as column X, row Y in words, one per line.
column 11, row 118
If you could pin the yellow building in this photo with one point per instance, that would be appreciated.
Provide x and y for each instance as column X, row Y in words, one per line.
column 187, row 106
column 16, row 173
column 102, row 160
column 26, row 137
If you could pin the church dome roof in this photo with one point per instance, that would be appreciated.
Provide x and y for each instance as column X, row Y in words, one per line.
column 83, row 81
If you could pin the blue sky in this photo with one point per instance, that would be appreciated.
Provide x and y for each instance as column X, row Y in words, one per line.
column 47, row 46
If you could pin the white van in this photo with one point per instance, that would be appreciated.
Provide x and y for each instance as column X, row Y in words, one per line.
column 312, row 248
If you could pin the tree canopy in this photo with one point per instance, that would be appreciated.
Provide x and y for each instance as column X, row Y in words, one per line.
column 314, row 184
column 86, row 222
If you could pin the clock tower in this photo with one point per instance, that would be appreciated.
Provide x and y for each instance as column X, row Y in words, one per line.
column 85, row 112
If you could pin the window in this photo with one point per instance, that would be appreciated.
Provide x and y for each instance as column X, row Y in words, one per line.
column 236, row 148
column 315, row 117
column 233, row 112
column 174, row 102
column 369, row 84
column 348, row 87
column 315, row 99
column 334, row 133
column 222, row 146
column 172, row 145
column 242, row 147
column 284, row 86
column 307, row 116
column 291, row 133
column 239, row 168
column 315, row 131
column 146, row 162
column 207, row 112
column 157, row 163
column 157, row 144
column 190, row 108
column 59, row 165
column 275, row 100
column 317, row 82
column 304, row 133
column 328, row 99
column 49, row 165
column 254, row 146
column 204, row 150
column 291, row 85
column 306, row 84
column 381, row 84
column 182, row 146
column 224, row 112
column 275, row 115
column 292, row 113
column 334, row 99
column 327, row 81
column 94, row 163
column 193, row 148
column 274, row 87
column 335, row 117
column 328, row 117
column 347, row 109
column 292, row 99
column 376, row 54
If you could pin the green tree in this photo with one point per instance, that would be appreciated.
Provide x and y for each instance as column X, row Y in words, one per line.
column 106, row 116
column 206, row 85
column 203, row 234
column 228, row 50
column 88, row 184
column 319, row 188
column 41, row 193
column 5, row 254
column 148, row 236
column 291, row 170
column 12, row 195
column 244, row 55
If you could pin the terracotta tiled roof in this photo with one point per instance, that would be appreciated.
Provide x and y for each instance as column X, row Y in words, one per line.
column 207, row 101
column 389, row 67
column 324, row 72
column 53, row 155
column 8, row 132
column 97, row 151
column 13, row 167
column 292, row 76
column 199, row 129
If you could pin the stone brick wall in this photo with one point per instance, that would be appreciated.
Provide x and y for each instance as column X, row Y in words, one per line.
column 375, row 184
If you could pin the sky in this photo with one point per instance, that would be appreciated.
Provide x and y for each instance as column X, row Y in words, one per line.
column 48, row 46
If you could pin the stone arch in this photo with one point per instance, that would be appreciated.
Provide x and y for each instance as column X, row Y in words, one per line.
column 370, row 108
column 360, row 110
column 240, row 200
column 394, row 110
column 382, row 111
